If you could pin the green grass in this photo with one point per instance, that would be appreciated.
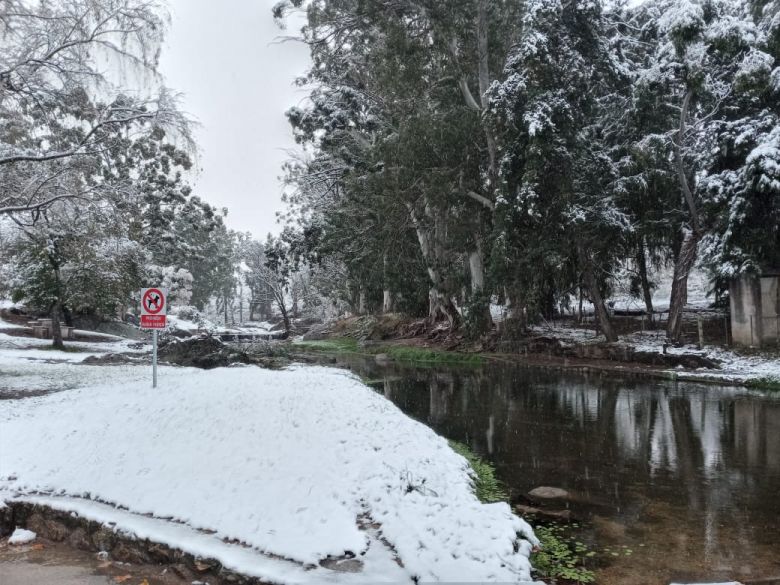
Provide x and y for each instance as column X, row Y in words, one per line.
column 406, row 353
column 399, row 353
column 767, row 383
column 334, row 345
column 487, row 486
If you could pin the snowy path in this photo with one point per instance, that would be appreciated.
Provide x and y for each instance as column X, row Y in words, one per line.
column 285, row 462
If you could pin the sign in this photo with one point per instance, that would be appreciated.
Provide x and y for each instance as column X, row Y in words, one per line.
column 153, row 316
column 153, row 308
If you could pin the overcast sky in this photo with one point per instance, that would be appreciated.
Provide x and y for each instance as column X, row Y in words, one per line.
column 237, row 82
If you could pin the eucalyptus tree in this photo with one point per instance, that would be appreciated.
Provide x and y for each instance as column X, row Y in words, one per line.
column 558, row 216
column 694, row 73
column 419, row 71
column 741, row 181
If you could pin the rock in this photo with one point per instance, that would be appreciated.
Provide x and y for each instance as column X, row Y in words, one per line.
column 45, row 528
column 80, row 539
column 128, row 552
column 202, row 352
column 382, row 358
column 104, row 539
column 107, row 359
column 342, row 565
column 182, row 571
column 6, row 519
column 202, row 565
column 556, row 515
column 549, row 493
column 161, row 553
column 317, row 333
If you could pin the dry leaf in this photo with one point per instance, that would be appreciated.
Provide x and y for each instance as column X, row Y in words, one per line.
column 122, row 578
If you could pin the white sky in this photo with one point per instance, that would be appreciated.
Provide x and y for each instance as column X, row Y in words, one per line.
column 237, row 83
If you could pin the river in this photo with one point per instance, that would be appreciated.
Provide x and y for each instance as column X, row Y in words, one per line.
column 670, row 481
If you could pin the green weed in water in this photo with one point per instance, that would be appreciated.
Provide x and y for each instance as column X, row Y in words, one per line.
column 405, row 353
column 487, row 486
column 560, row 556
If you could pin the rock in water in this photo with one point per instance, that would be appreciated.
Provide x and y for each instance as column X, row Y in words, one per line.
column 549, row 493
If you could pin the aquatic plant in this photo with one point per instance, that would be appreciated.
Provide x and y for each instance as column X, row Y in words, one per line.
column 487, row 486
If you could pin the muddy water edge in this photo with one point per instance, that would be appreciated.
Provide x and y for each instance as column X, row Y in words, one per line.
column 667, row 482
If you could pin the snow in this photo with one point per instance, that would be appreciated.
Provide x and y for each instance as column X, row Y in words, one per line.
column 734, row 367
column 380, row 565
column 683, row 16
column 21, row 536
column 285, row 462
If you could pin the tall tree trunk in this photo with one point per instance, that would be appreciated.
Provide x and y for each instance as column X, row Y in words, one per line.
column 56, row 310
column 687, row 256
column 294, row 292
column 481, row 320
column 387, row 301
column 56, row 325
column 483, row 58
column 283, row 310
column 362, row 301
column 591, row 283
column 682, row 269
column 641, row 266
column 387, row 294
column 440, row 304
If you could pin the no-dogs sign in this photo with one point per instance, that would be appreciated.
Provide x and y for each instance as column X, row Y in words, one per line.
column 153, row 308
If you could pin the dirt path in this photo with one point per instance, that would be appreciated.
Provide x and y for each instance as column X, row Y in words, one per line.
column 47, row 563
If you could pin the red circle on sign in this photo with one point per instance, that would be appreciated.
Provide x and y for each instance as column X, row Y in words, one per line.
column 153, row 301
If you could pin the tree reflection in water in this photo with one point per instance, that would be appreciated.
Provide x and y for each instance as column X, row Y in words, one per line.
column 686, row 475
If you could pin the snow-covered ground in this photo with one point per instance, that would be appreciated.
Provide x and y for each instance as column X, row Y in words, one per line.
column 733, row 366
column 295, row 464
column 623, row 300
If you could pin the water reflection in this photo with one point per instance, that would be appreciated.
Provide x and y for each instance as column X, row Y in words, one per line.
column 687, row 475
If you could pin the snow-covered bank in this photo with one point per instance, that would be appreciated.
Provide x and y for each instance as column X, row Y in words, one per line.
column 285, row 462
column 733, row 366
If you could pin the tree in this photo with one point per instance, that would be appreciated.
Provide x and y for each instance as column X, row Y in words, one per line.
column 50, row 80
column 558, row 210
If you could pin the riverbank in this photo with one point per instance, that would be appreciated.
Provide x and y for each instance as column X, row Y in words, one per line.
column 283, row 476
column 637, row 354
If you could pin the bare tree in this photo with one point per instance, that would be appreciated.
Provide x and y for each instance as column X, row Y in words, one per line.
column 57, row 103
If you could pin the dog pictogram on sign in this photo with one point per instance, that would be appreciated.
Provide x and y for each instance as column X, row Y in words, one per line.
column 153, row 301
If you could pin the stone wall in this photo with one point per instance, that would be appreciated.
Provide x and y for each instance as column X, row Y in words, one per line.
column 755, row 310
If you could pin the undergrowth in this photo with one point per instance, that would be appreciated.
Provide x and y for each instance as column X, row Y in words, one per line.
column 487, row 486
column 767, row 383
column 400, row 353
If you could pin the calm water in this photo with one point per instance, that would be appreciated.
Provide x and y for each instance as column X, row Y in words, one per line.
column 686, row 476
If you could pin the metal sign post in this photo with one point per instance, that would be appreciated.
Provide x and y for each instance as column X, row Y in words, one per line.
column 154, row 308
column 154, row 358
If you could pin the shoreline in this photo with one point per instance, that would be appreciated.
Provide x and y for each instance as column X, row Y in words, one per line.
column 334, row 346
